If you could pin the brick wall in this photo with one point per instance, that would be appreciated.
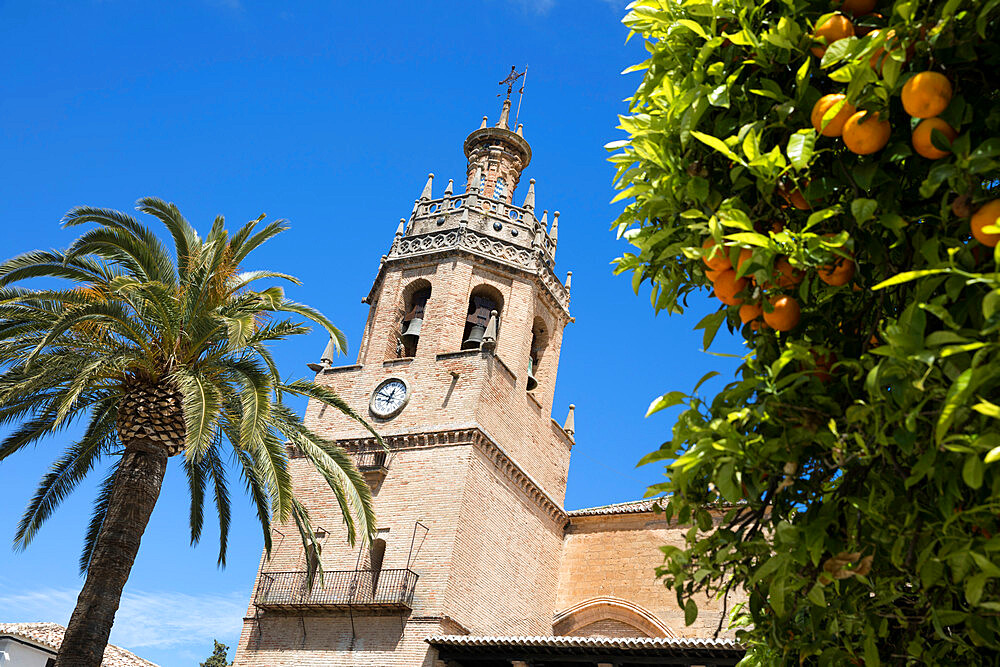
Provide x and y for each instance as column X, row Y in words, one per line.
column 616, row 556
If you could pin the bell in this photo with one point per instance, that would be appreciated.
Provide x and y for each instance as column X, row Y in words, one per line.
column 411, row 330
column 532, row 382
column 475, row 338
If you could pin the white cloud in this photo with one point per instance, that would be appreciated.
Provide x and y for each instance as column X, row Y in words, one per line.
column 144, row 619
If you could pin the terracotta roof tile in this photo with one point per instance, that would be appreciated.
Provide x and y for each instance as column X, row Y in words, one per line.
column 630, row 507
column 49, row 635
column 607, row 643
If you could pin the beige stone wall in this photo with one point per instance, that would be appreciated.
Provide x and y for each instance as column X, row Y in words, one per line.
column 616, row 556
column 506, row 557
column 609, row 628
column 311, row 641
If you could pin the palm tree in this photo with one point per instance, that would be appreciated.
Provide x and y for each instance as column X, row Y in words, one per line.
column 159, row 355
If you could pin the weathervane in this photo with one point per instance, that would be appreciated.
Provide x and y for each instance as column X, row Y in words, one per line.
column 510, row 80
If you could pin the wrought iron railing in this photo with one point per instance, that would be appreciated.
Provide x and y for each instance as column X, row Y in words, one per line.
column 372, row 460
column 343, row 589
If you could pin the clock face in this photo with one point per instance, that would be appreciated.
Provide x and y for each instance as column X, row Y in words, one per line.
column 389, row 398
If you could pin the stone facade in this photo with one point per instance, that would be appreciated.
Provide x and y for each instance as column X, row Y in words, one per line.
column 469, row 492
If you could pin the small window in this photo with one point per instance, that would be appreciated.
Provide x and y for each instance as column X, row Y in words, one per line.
column 500, row 189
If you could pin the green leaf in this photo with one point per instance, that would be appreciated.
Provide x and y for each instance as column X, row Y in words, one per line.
column 666, row 401
column 972, row 471
column 800, row 148
column 717, row 144
column 955, row 397
column 693, row 27
column 871, row 651
column 711, row 323
column 974, row 588
column 863, row 210
column 690, row 612
column 816, row 596
column 704, row 378
column 907, row 276
column 984, row 407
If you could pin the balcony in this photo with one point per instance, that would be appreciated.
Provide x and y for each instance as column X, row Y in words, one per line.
column 373, row 464
column 381, row 590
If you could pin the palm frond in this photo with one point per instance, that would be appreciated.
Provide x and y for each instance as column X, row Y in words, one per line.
column 100, row 510
column 185, row 238
column 329, row 397
column 310, row 313
column 66, row 473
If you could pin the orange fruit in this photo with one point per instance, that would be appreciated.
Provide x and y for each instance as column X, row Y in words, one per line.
column 835, row 126
column 866, row 133
column 787, row 275
column 759, row 325
column 785, row 314
column 857, row 7
column 745, row 255
column 824, row 362
column 839, row 273
column 727, row 286
column 750, row 312
column 922, row 137
column 986, row 215
column 836, row 27
column 878, row 57
column 926, row 94
column 960, row 207
column 777, row 226
column 717, row 260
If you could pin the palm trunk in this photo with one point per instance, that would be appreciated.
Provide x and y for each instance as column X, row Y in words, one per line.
column 136, row 489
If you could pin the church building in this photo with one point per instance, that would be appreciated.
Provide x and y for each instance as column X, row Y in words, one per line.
column 476, row 562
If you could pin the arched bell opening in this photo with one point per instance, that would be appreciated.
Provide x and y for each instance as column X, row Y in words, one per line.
column 539, row 341
column 483, row 300
column 415, row 298
column 376, row 555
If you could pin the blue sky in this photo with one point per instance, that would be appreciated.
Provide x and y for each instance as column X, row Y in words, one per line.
column 330, row 114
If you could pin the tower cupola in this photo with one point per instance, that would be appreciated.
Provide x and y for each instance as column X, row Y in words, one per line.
column 496, row 156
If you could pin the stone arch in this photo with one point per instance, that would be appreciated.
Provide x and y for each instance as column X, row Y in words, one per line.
column 540, row 334
column 608, row 611
column 483, row 299
column 414, row 298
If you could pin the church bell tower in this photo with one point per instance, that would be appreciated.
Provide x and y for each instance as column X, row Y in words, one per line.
column 456, row 369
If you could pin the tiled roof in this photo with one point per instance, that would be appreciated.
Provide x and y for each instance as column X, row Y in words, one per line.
column 643, row 645
column 49, row 635
column 631, row 507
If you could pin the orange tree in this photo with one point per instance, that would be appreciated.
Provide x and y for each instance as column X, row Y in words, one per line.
column 830, row 171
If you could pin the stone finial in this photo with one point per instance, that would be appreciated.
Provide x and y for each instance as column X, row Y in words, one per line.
column 569, row 281
column 463, row 221
column 490, row 337
column 401, row 227
column 529, row 199
column 326, row 360
column 483, row 125
column 520, row 130
column 544, row 222
column 554, row 232
column 426, row 194
column 450, row 189
column 504, row 116
column 569, row 426
column 538, row 241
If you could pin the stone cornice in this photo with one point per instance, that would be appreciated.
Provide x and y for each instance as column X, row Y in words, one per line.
column 470, row 435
